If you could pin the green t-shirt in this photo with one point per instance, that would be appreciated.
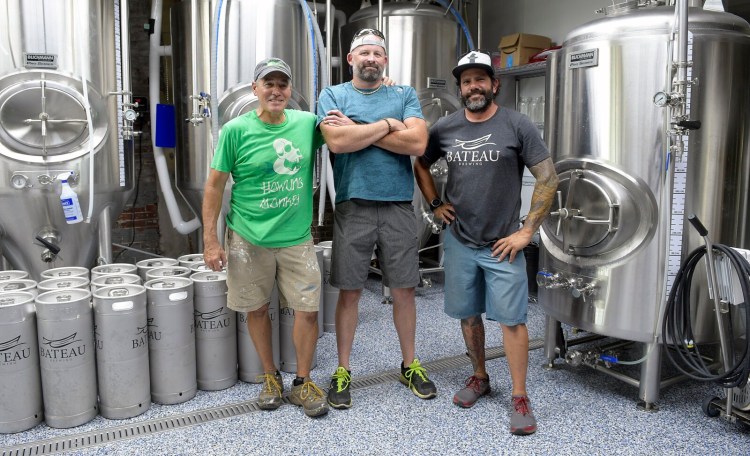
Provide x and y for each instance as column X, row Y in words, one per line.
column 272, row 169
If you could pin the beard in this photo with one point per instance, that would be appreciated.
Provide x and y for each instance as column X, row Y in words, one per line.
column 479, row 105
column 368, row 74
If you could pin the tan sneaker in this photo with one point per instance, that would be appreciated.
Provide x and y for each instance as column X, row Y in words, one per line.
column 270, row 395
column 310, row 397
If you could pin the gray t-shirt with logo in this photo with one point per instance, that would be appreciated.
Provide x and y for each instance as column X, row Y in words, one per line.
column 485, row 170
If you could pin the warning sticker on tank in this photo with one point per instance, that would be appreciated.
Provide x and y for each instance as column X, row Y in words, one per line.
column 31, row 60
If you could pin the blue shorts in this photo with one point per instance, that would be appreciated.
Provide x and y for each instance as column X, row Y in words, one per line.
column 475, row 283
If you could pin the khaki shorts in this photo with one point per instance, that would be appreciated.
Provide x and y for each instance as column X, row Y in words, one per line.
column 253, row 270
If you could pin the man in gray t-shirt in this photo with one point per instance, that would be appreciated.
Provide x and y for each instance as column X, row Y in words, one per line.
column 487, row 147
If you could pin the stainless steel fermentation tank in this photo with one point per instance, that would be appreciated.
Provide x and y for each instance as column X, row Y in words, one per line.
column 249, row 31
column 618, row 229
column 57, row 59
column 424, row 44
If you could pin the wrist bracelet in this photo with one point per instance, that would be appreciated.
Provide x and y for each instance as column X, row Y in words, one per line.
column 390, row 129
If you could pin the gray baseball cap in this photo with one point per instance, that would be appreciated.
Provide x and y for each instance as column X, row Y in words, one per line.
column 269, row 65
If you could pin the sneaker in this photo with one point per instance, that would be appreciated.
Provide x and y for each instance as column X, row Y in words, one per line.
column 522, row 421
column 415, row 377
column 339, row 396
column 475, row 388
column 310, row 397
column 270, row 395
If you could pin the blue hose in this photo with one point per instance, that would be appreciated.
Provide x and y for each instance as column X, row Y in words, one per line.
column 460, row 21
column 314, row 95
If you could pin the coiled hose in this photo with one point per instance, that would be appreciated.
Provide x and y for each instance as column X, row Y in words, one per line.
column 686, row 356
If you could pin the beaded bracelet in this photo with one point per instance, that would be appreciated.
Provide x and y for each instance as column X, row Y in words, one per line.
column 390, row 129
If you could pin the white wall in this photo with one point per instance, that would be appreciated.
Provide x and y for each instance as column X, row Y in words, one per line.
column 552, row 18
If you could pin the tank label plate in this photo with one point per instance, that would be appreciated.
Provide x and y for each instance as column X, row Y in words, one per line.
column 582, row 59
column 436, row 83
column 35, row 60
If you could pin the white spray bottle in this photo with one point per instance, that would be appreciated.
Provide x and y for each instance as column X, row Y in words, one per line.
column 69, row 200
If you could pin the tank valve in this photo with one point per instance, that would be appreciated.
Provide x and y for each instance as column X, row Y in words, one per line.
column 583, row 291
column 201, row 108
column 50, row 253
column 547, row 279
column 574, row 358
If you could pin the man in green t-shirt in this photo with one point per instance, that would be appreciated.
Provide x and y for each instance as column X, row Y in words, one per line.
column 270, row 154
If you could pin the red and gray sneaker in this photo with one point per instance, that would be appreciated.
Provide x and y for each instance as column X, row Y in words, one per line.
column 475, row 388
column 522, row 421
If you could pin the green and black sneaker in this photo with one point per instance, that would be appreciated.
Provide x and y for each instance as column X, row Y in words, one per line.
column 415, row 377
column 339, row 396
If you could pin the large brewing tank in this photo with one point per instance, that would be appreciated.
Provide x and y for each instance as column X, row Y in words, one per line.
column 614, row 235
column 57, row 58
column 423, row 47
column 249, row 31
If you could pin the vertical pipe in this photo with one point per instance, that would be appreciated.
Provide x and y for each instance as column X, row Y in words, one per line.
column 324, row 160
column 380, row 16
column 162, row 169
column 682, row 45
column 125, row 52
column 105, row 237
column 479, row 24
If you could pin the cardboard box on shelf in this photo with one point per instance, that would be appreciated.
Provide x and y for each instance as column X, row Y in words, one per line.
column 516, row 49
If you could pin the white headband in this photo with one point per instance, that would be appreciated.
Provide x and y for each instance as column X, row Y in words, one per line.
column 367, row 39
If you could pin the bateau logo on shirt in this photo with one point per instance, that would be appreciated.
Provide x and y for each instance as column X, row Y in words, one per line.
column 474, row 144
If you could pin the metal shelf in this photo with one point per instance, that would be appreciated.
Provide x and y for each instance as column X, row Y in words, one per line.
column 524, row 71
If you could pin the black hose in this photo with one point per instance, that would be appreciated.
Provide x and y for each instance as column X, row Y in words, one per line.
column 677, row 323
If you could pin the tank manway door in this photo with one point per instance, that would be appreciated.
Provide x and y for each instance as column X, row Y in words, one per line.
column 600, row 215
column 42, row 117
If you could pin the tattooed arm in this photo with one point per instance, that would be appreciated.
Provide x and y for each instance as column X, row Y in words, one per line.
column 541, row 201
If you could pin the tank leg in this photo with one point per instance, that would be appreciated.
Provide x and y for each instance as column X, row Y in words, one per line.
column 650, row 382
column 554, row 342
column 105, row 238
column 387, row 298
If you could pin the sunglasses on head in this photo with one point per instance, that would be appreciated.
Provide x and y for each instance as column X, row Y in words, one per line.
column 369, row 31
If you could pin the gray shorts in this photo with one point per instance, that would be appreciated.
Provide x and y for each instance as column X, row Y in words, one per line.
column 359, row 226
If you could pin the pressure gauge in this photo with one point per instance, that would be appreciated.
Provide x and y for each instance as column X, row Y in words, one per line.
column 19, row 181
column 661, row 99
column 130, row 115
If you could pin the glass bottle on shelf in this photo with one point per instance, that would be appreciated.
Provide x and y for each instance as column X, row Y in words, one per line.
column 533, row 103
column 523, row 106
column 538, row 113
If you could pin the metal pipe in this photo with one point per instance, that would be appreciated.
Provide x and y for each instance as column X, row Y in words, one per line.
column 105, row 237
column 125, row 247
column 324, row 161
column 125, row 52
column 618, row 375
column 479, row 24
column 380, row 16
column 162, row 169
column 682, row 45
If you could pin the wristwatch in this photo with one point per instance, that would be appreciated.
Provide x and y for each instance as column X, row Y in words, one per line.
column 436, row 203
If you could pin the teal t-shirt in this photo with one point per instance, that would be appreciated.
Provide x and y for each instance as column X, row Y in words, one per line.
column 272, row 169
column 372, row 173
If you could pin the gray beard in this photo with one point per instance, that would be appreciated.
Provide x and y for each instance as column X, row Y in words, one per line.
column 477, row 106
column 369, row 75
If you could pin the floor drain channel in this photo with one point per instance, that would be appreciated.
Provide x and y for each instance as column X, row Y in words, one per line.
column 113, row 434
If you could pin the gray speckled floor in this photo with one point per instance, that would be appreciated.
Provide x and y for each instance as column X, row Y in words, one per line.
column 579, row 411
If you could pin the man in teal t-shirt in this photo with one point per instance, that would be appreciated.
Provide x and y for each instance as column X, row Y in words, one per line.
column 374, row 129
column 270, row 153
